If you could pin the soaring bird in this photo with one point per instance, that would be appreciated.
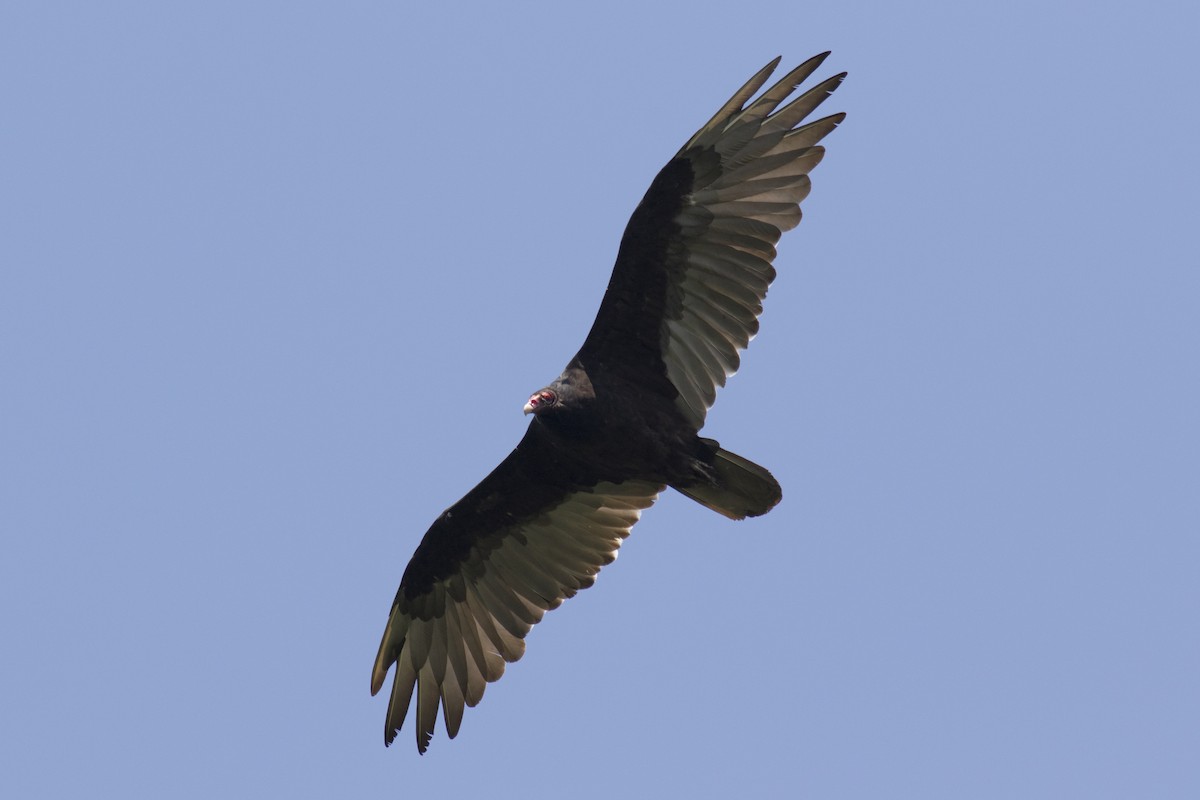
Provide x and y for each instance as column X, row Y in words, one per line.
column 622, row 421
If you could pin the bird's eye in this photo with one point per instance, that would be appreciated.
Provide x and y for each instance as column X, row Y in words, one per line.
column 547, row 397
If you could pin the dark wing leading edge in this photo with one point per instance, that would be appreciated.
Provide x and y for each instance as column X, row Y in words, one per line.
column 695, row 261
column 532, row 534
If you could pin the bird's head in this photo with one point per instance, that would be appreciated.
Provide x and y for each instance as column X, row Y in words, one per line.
column 541, row 400
column 571, row 390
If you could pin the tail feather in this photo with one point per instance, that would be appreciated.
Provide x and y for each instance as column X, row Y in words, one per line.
column 739, row 488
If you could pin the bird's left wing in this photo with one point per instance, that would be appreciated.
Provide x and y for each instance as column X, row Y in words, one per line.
column 695, row 261
column 525, row 539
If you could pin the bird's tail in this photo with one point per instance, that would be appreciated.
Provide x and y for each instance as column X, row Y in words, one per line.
column 739, row 488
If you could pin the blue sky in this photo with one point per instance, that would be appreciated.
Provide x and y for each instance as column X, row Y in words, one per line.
column 276, row 281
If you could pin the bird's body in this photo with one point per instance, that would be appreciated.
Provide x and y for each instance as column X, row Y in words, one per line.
column 622, row 421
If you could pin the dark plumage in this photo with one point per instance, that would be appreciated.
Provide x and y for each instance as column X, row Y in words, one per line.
column 621, row 423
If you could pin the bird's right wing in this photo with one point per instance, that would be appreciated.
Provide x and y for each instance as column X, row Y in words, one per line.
column 532, row 534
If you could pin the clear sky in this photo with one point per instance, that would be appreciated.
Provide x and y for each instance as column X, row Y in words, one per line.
column 276, row 278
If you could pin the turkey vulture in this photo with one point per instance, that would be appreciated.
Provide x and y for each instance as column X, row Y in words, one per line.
column 620, row 423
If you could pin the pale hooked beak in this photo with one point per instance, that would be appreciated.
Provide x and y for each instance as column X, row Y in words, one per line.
column 529, row 407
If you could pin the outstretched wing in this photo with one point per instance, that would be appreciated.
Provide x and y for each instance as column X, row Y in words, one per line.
column 532, row 534
column 695, row 261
